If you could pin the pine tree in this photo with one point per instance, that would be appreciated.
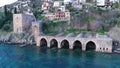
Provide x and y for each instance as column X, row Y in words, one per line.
column 5, row 10
column 15, row 10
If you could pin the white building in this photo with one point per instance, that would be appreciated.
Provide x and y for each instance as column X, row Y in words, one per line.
column 2, row 9
column 100, row 2
column 81, row 1
column 62, row 8
column 78, row 4
column 47, row 0
column 114, row 1
column 105, row 2
column 68, row 1
column 46, row 6
column 57, row 3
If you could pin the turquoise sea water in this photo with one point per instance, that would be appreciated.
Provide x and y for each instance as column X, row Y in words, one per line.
column 13, row 56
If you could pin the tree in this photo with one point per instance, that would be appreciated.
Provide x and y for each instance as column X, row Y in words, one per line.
column 15, row 10
column 6, row 27
column 5, row 10
column 2, row 19
column 6, row 18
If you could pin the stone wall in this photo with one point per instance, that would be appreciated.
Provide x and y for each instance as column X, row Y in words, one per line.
column 22, row 22
column 101, row 44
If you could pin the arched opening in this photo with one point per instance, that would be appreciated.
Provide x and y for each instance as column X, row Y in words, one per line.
column 53, row 43
column 43, row 42
column 65, row 44
column 90, row 46
column 77, row 45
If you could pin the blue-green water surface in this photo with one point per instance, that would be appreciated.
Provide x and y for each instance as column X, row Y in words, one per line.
column 13, row 56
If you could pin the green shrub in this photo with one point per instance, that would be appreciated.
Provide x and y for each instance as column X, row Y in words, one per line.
column 7, row 27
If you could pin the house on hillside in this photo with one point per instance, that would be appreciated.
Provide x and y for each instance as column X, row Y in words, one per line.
column 62, row 15
column 57, row 4
column 47, row 4
column 50, row 16
column 22, row 6
column 80, row 1
column 114, row 1
column 58, row 15
column 103, row 3
column 2, row 9
column 59, row 11
column 67, row 1
column 77, row 4
column 62, row 8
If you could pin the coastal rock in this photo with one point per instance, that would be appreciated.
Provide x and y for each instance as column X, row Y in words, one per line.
column 114, row 33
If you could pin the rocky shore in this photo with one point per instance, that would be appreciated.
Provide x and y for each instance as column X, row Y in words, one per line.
column 114, row 34
column 28, row 39
column 18, row 39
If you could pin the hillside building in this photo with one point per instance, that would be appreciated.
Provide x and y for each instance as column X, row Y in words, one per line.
column 67, row 1
column 50, row 16
column 100, row 2
column 57, row 3
column 77, row 4
column 106, row 2
column 59, row 15
column 114, row 1
column 47, row 4
column 80, row 1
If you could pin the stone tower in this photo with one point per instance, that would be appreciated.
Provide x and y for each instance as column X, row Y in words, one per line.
column 36, row 28
column 22, row 22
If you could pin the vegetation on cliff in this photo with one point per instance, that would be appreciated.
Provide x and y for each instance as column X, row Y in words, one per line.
column 6, row 18
column 95, row 20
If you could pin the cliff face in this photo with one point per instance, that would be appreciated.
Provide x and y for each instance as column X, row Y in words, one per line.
column 114, row 33
column 95, row 19
column 24, row 38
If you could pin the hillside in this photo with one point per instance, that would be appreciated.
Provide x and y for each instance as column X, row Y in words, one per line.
column 94, row 20
column 91, row 19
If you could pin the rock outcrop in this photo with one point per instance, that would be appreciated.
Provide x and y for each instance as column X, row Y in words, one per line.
column 114, row 33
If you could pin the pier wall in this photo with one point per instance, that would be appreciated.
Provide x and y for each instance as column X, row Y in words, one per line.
column 101, row 44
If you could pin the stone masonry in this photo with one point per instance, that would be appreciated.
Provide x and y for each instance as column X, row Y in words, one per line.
column 101, row 44
column 22, row 22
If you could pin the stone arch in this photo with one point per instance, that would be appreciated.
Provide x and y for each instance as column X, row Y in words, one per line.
column 77, row 45
column 43, row 42
column 65, row 44
column 53, row 43
column 90, row 46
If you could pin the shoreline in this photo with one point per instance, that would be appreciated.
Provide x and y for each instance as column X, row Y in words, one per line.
column 30, row 44
column 18, row 43
column 33, row 44
column 23, row 44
